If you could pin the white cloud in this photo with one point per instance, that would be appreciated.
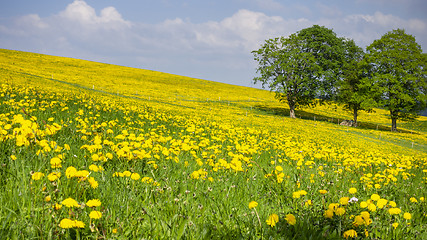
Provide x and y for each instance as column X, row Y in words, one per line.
column 79, row 11
column 215, row 50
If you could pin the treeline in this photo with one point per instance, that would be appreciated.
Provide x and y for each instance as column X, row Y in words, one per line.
column 314, row 64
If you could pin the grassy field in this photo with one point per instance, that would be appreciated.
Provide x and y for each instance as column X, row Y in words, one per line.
column 97, row 151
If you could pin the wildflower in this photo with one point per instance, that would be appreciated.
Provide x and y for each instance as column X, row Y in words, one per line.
column 394, row 211
column 55, row 162
column 79, row 224
column 13, row 157
column 70, row 172
column 340, row 211
column 66, row 223
column 94, row 168
column 308, row 203
column 358, row 221
column 69, row 202
column 57, row 206
column 353, row 199
column 48, row 198
column 363, row 204
column 95, row 214
column 253, row 204
column 329, row 213
column 381, row 203
column 323, row 191
column 372, row 207
column 422, row 199
column 272, row 220
column 135, row 176
column 352, row 190
column 37, row 175
column 395, row 225
column 375, row 197
column 392, row 204
column 93, row 183
column 414, row 200
column 114, row 230
column 344, row 200
column 290, row 218
column 93, row 203
column 407, row 216
column 53, row 176
column 350, row 233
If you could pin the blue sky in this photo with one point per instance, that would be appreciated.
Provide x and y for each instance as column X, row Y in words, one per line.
column 208, row 39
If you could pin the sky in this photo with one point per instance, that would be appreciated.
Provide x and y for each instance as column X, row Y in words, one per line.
column 207, row 39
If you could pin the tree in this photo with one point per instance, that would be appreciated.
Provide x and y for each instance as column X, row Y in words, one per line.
column 354, row 86
column 398, row 74
column 301, row 67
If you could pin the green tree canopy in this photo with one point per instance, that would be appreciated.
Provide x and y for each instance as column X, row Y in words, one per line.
column 398, row 72
column 354, row 86
column 301, row 67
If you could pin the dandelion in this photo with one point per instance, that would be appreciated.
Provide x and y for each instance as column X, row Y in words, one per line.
column 414, row 200
column 66, row 223
column 352, row 190
column 93, row 203
column 253, row 204
column 350, row 233
column 57, row 206
column 375, row 197
column 329, row 213
column 95, row 214
column 135, row 176
column 372, row 207
column 323, row 191
column 340, row 211
column 37, row 176
column 48, row 198
column 69, row 202
column 363, row 204
column 395, row 225
column 344, row 200
column 13, row 157
column 290, row 218
column 394, row 211
column 272, row 220
column 93, row 183
column 55, row 162
column 53, row 176
column 407, row 216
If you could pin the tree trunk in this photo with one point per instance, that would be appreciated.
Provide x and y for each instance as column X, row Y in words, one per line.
column 393, row 124
column 355, row 117
column 291, row 110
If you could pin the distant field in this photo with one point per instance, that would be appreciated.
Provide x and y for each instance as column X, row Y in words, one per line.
column 98, row 151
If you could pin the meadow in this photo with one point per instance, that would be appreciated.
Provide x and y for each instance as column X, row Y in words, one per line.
column 97, row 151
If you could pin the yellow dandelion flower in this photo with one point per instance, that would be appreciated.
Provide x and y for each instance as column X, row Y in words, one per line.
column 329, row 213
column 253, row 204
column 95, row 214
column 407, row 216
column 344, row 200
column 340, row 211
column 290, row 218
column 375, row 197
column 37, row 176
column 350, row 233
column 69, row 202
column 352, row 190
column 93, row 203
column 272, row 220
column 394, row 211
column 323, row 191
column 66, row 223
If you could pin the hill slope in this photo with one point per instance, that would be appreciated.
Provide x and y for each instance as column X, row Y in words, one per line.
column 91, row 150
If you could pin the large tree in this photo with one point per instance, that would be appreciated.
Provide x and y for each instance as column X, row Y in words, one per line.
column 354, row 87
column 301, row 67
column 398, row 74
